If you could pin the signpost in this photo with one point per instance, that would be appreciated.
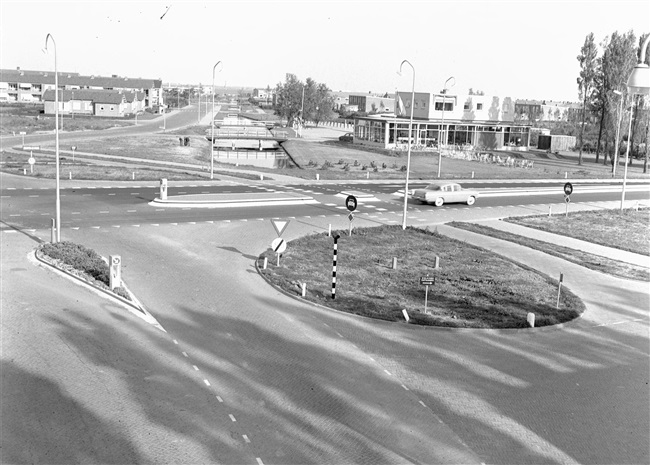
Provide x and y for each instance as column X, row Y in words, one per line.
column 427, row 281
column 279, row 245
column 22, row 133
column 280, row 226
column 31, row 161
column 73, row 148
column 568, row 189
column 351, row 205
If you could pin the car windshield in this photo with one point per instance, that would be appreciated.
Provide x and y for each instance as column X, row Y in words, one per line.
column 433, row 187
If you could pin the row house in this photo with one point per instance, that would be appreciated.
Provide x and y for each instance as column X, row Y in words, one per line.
column 30, row 86
column 95, row 102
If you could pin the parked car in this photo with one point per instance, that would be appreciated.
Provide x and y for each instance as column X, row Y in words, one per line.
column 347, row 137
column 439, row 193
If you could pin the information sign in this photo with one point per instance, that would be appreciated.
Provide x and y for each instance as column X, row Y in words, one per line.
column 351, row 203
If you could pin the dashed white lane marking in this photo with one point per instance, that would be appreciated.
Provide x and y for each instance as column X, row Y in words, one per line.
column 219, row 399
column 176, row 342
column 387, row 372
column 246, row 438
column 195, row 367
column 185, row 354
column 75, row 213
column 16, row 214
column 32, row 196
column 232, row 417
column 131, row 211
column 160, row 209
column 104, row 211
column 339, row 334
column 423, row 404
column 405, row 388
column 259, row 461
column 111, row 194
column 207, row 383
column 135, row 193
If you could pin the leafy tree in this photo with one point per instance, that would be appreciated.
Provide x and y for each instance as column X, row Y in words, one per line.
column 297, row 101
column 587, row 60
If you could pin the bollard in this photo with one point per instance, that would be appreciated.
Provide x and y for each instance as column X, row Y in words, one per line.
column 436, row 264
column 24, row 171
column 53, row 240
column 329, row 230
column 394, row 263
column 134, row 175
column 566, row 175
column 530, row 318
column 317, row 177
column 368, row 175
column 70, row 174
column 559, row 290
column 550, row 209
column 266, row 261
column 304, row 289
column 406, row 315
column 472, row 174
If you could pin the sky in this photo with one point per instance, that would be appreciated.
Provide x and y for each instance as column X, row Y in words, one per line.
column 522, row 49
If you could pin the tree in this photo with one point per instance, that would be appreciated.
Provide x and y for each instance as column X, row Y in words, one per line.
column 587, row 60
column 316, row 103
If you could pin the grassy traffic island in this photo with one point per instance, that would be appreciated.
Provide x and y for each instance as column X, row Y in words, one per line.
column 474, row 288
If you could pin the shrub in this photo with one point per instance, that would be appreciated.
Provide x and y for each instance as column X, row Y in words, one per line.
column 384, row 165
column 364, row 167
column 340, row 162
column 327, row 164
column 403, row 168
column 346, row 167
column 356, row 162
column 373, row 164
column 80, row 258
column 122, row 293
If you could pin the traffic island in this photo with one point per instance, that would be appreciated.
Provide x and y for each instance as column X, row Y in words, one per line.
column 382, row 271
column 232, row 200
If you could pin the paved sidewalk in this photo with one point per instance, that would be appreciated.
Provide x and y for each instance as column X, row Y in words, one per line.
column 589, row 247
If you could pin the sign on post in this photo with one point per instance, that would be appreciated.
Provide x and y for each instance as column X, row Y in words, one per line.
column 115, row 276
column 351, row 202
column 568, row 189
column 278, row 245
column 427, row 281
column 163, row 189
column 280, row 226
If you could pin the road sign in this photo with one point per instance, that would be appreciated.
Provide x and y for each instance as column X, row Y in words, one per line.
column 31, row 160
column 568, row 188
column 351, row 203
column 279, row 245
column 280, row 226
column 350, row 217
column 22, row 133
column 27, row 147
column 567, row 199
column 427, row 280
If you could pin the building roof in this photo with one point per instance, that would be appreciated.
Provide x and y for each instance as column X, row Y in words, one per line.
column 96, row 96
column 73, row 79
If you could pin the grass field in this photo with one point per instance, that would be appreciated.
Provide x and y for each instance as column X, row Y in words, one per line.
column 474, row 287
column 628, row 230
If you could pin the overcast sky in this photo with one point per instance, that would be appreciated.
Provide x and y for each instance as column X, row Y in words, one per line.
column 518, row 48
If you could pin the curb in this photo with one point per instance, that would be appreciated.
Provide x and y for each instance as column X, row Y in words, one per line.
column 232, row 203
column 134, row 306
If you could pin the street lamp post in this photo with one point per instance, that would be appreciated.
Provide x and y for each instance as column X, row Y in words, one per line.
column 637, row 83
column 408, row 153
column 442, row 122
column 57, row 224
column 212, row 120
column 618, row 131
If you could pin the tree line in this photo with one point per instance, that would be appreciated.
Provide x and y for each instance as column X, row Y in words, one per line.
column 606, row 103
column 298, row 101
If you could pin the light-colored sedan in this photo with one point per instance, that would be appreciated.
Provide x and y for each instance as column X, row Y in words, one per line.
column 439, row 193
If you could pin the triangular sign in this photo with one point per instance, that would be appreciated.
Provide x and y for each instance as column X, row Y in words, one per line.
column 280, row 226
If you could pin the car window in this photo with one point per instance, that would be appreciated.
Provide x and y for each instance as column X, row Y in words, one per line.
column 455, row 187
column 433, row 187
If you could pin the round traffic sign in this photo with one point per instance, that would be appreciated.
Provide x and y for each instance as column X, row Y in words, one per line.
column 31, row 160
column 568, row 188
column 351, row 202
column 279, row 245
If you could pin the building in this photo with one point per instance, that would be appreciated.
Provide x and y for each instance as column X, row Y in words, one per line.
column 30, row 86
column 94, row 102
column 475, row 120
column 371, row 104
column 547, row 110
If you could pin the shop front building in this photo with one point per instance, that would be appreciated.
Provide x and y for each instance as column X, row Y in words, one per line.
column 477, row 121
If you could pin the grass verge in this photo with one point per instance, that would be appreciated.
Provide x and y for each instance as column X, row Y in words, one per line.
column 474, row 288
column 588, row 260
column 82, row 262
column 626, row 230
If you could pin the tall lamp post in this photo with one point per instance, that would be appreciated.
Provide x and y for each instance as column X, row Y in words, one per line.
column 212, row 136
column 57, row 223
column 618, row 131
column 637, row 83
column 442, row 122
column 408, row 153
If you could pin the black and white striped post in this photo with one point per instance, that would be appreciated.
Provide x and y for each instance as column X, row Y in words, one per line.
column 336, row 238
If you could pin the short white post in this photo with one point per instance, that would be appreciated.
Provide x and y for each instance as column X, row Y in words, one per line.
column 53, row 227
column 304, row 289
column 550, row 210
column 566, row 175
column 70, row 174
column 317, row 177
column 24, row 171
column 406, row 315
column 530, row 318
column 134, row 175
column 394, row 263
column 559, row 289
column 368, row 175
column 115, row 275
column 266, row 261
column 329, row 230
column 472, row 174
column 261, row 177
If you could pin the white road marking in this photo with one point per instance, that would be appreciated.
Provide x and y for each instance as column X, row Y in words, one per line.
column 104, row 211
column 75, row 213
column 246, row 438
column 232, row 417
column 33, row 196
column 185, row 354
column 175, row 342
column 112, row 194
column 207, row 383
column 219, row 399
column 131, row 211
column 423, row 404
column 259, row 461
column 405, row 388
column 195, row 367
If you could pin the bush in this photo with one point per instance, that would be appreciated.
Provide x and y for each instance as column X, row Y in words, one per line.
column 80, row 258
column 346, row 167
column 356, row 162
column 403, row 168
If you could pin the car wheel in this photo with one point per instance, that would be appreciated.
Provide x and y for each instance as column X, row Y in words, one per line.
column 470, row 200
column 439, row 201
